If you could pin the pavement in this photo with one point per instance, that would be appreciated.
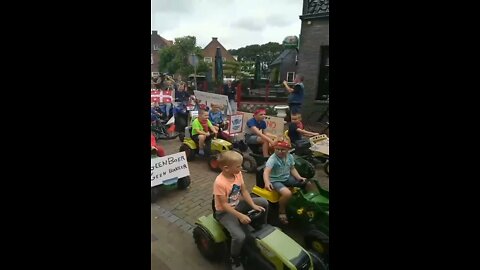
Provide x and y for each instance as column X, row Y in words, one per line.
column 174, row 213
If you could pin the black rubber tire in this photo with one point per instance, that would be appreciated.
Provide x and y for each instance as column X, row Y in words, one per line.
column 249, row 164
column 208, row 248
column 318, row 242
column 183, row 182
column 189, row 153
column 318, row 263
column 154, row 191
column 326, row 168
column 212, row 161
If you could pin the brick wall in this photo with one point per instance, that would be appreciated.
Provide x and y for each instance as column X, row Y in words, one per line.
column 312, row 36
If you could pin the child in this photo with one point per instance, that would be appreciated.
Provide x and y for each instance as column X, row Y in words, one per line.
column 256, row 134
column 296, row 130
column 229, row 209
column 156, row 149
column 280, row 173
column 215, row 116
column 200, row 130
column 155, row 116
column 181, row 95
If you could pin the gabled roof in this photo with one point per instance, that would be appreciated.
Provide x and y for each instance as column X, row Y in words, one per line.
column 211, row 48
column 282, row 55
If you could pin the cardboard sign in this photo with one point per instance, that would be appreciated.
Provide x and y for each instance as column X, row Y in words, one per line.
column 235, row 123
column 168, row 167
column 275, row 125
column 322, row 147
column 155, row 96
column 210, row 98
column 162, row 96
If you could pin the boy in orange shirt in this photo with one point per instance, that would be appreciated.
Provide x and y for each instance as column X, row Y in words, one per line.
column 230, row 211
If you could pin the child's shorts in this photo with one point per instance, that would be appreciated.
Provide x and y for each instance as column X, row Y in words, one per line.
column 291, row 182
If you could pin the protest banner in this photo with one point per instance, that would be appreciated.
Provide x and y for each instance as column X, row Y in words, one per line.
column 275, row 125
column 211, row 98
column 168, row 167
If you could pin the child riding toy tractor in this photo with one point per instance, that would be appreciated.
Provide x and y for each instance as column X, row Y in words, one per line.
column 266, row 247
column 307, row 208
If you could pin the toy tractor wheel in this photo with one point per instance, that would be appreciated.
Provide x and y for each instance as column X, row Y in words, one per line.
column 242, row 146
column 304, row 168
column 181, row 136
column 326, row 168
column 249, row 164
column 318, row 242
column 190, row 153
column 205, row 244
column 318, row 263
column 213, row 161
column 183, row 182
column 154, row 191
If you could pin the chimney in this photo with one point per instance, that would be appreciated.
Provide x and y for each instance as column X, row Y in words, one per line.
column 154, row 33
column 214, row 38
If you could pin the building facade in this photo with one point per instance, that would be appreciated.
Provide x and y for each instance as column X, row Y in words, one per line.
column 157, row 43
column 313, row 57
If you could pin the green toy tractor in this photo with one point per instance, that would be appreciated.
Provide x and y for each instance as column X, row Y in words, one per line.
column 265, row 247
column 310, row 209
column 213, row 147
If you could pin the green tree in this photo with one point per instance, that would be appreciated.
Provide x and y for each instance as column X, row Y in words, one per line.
column 267, row 53
column 174, row 59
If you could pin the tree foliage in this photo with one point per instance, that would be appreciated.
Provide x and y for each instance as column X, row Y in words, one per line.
column 267, row 54
column 174, row 59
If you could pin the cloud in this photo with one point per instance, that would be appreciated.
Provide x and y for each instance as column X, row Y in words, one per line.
column 252, row 24
column 236, row 23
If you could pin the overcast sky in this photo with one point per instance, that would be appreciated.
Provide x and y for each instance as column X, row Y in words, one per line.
column 236, row 23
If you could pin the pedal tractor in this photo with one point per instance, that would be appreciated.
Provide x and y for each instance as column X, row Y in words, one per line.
column 315, row 151
column 251, row 161
column 307, row 208
column 158, row 184
column 265, row 247
column 213, row 147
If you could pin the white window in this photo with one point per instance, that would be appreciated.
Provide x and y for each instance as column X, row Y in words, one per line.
column 290, row 76
column 224, row 59
column 156, row 47
column 207, row 59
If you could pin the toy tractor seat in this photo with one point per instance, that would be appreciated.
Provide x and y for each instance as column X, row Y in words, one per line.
column 259, row 177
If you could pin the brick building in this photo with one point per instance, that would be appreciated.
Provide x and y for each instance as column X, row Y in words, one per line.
column 157, row 43
column 209, row 54
column 313, row 58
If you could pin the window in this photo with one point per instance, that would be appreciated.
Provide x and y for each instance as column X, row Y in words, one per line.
column 207, row 59
column 156, row 47
column 290, row 76
column 224, row 59
column 323, row 90
column 151, row 59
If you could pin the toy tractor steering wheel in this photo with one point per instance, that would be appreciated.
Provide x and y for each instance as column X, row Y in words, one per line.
column 254, row 214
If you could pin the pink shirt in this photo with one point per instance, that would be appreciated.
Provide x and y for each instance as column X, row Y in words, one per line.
column 231, row 188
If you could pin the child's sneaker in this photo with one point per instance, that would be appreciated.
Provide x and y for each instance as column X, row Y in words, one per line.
column 201, row 152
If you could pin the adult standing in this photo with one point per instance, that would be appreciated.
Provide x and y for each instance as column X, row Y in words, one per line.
column 231, row 92
column 295, row 98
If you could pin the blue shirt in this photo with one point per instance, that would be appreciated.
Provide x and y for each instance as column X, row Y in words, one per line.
column 280, row 167
column 254, row 123
column 297, row 95
column 215, row 117
column 181, row 96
